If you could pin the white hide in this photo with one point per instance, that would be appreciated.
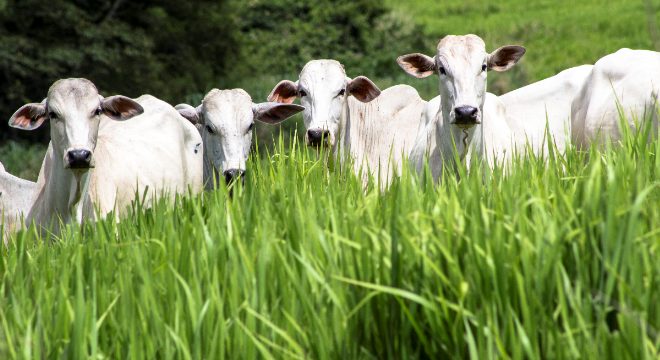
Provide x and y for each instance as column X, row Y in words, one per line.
column 481, row 131
column 225, row 121
column 378, row 135
column 155, row 153
column 374, row 130
column 16, row 198
column 436, row 139
column 547, row 102
column 627, row 81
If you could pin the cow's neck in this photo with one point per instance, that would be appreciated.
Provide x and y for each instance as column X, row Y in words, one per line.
column 467, row 141
column 64, row 195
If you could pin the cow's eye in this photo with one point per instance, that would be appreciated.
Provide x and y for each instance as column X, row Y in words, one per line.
column 209, row 129
column 52, row 115
column 250, row 127
column 303, row 93
column 97, row 112
column 442, row 70
column 484, row 67
column 342, row 92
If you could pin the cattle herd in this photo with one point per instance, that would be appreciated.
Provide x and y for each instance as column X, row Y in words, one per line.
column 98, row 159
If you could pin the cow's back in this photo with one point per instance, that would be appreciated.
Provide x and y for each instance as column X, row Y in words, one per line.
column 158, row 152
column 544, row 103
column 627, row 80
column 382, row 132
column 16, row 198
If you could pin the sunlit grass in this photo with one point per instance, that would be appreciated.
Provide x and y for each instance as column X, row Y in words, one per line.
column 557, row 259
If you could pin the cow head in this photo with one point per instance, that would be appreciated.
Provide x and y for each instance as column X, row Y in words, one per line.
column 323, row 89
column 74, row 108
column 461, row 63
column 225, row 120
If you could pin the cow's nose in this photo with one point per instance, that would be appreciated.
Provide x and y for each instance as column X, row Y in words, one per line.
column 232, row 175
column 79, row 159
column 466, row 115
column 316, row 137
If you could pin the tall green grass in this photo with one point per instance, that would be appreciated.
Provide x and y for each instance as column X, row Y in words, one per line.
column 557, row 259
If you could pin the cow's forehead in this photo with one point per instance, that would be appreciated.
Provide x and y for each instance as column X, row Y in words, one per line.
column 73, row 92
column 468, row 48
column 223, row 103
column 328, row 73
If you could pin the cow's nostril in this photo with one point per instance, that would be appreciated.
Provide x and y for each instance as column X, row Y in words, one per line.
column 232, row 175
column 316, row 137
column 466, row 114
column 79, row 158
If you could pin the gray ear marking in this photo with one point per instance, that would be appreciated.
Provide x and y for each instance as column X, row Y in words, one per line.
column 194, row 115
column 274, row 112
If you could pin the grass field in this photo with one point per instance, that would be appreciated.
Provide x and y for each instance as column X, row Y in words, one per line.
column 551, row 261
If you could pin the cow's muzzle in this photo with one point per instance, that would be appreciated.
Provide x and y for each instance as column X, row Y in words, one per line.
column 317, row 137
column 232, row 175
column 78, row 159
column 466, row 116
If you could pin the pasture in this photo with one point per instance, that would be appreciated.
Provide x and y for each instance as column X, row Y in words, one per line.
column 554, row 259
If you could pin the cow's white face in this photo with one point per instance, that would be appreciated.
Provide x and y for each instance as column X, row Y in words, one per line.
column 225, row 120
column 323, row 89
column 74, row 108
column 461, row 63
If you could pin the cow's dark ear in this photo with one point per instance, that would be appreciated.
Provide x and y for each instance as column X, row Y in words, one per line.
column 505, row 57
column 417, row 65
column 286, row 92
column 363, row 89
column 120, row 107
column 29, row 116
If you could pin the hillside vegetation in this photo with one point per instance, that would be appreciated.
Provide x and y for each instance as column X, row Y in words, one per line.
column 558, row 34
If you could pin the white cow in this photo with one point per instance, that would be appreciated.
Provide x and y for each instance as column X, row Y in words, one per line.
column 462, row 122
column 375, row 131
column 225, row 120
column 96, row 161
column 626, row 82
column 16, row 198
column 531, row 108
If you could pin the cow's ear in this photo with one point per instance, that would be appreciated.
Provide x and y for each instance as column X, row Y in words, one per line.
column 505, row 57
column 363, row 89
column 29, row 116
column 417, row 65
column 190, row 113
column 284, row 92
column 274, row 113
column 120, row 107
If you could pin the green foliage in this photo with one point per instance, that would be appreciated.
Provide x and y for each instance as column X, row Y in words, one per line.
column 22, row 159
column 558, row 259
column 124, row 47
column 280, row 36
